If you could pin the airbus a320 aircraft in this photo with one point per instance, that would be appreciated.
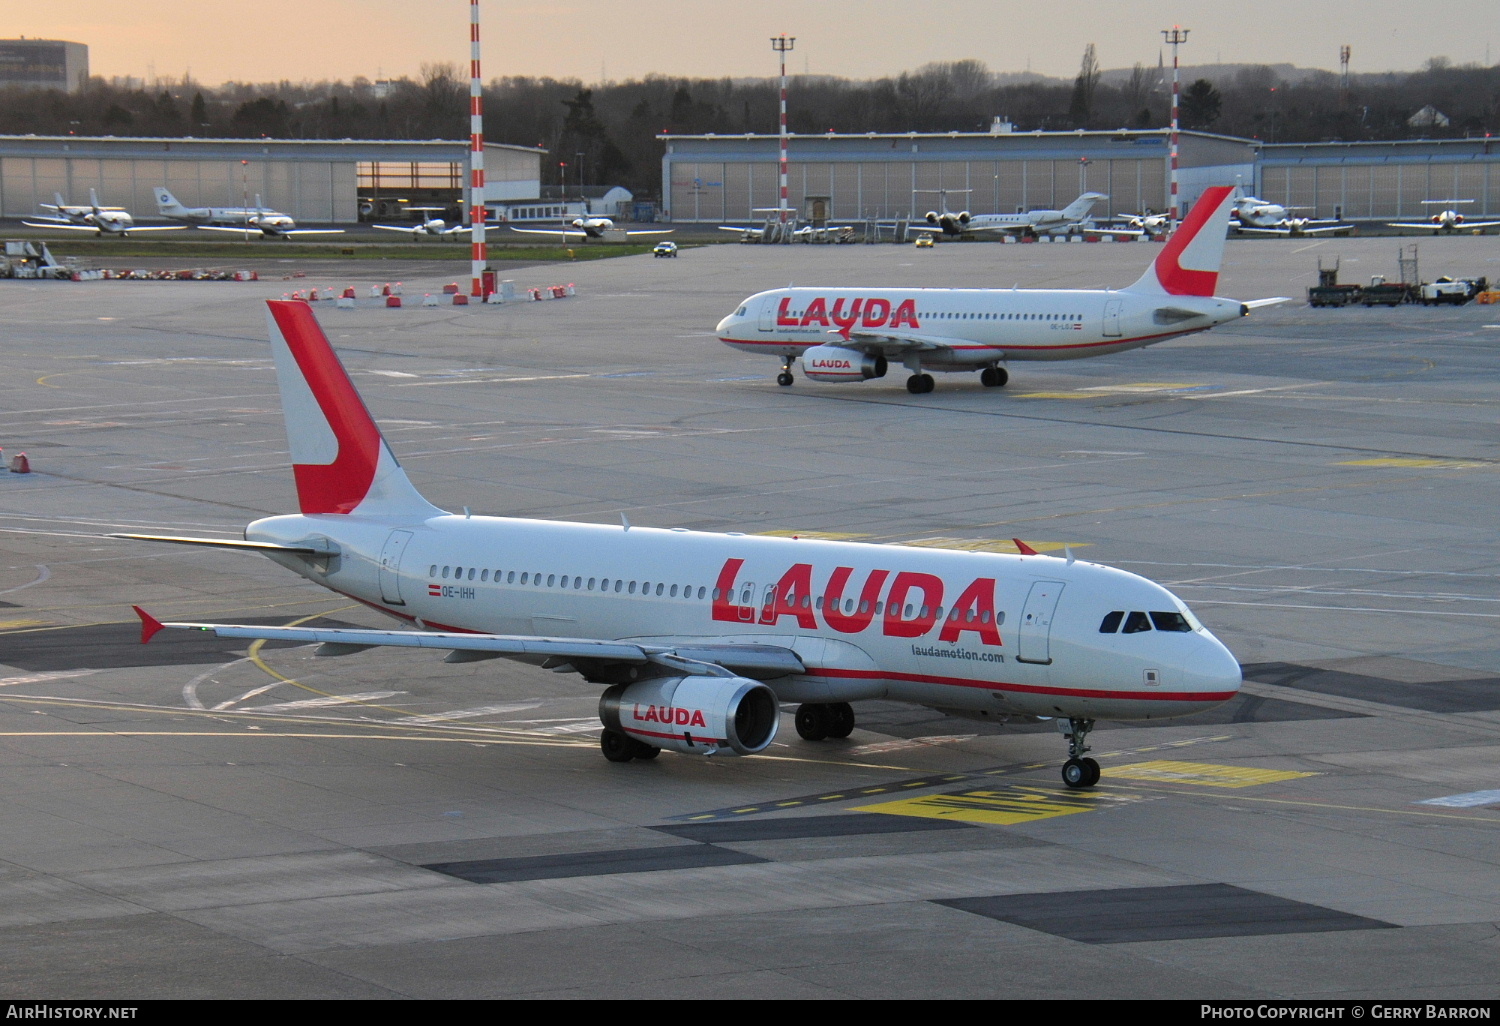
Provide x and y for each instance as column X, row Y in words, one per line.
column 1447, row 219
column 854, row 334
column 696, row 638
column 94, row 218
column 271, row 224
column 591, row 228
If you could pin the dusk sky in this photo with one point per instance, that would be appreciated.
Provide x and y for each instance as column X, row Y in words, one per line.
column 298, row 40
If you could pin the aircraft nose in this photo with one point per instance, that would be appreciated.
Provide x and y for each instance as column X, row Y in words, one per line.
column 1215, row 669
column 726, row 325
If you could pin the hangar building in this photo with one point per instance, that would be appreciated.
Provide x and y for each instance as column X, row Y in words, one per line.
column 722, row 178
column 1381, row 180
column 317, row 180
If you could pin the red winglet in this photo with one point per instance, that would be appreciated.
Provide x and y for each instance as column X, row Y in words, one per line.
column 149, row 624
column 1021, row 547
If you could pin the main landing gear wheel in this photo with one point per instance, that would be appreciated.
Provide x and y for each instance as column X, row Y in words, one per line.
column 618, row 747
column 919, row 384
column 994, row 377
column 784, row 378
column 817, row 720
column 813, row 721
column 1079, row 772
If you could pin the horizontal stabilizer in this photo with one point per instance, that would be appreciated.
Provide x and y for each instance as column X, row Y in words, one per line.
column 321, row 548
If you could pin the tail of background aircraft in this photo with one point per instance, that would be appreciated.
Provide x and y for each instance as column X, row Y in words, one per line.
column 341, row 463
column 94, row 200
column 60, row 203
column 1080, row 207
column 166, row 203
column 1188, row 265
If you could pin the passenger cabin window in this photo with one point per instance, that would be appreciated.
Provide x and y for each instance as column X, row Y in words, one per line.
column 1173, row 621
column 1136, row 622
column 1111, row 622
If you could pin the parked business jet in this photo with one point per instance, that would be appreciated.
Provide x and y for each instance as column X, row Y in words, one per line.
column 853, row 334
column 695, row 637
column 590, row 228
column 75, row 217
column 271, row 224
column 1030, row 224
column 427, row 226
column 1447, row 219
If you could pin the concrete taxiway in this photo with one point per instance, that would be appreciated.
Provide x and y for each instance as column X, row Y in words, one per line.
column 198, row 818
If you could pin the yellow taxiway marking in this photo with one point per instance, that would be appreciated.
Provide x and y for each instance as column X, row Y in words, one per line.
column 8, row 624
column 1145, row 386
column 1411, row 461
column 1205, row 774
column 991, row 544
column 1001, row 807
column 1056, row 395
column 815, row 535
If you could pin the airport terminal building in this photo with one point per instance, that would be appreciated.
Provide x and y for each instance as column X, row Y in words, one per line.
column 313, row 180
column 723, row 179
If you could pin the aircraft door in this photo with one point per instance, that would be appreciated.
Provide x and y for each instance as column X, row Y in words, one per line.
column 1112, row 317
column 768, row 314
column 1034, row 635
column 746, row 604
column 390, row 567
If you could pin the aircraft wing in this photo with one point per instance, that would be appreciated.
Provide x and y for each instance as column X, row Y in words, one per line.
column 64, row 226
column 228, row 228
column 155, row 228
column 313, row 231
column 396, row 228
column 566, row 233
column 659, row 231
column 889, row 343
column 1479, row 224
column 1425, row 224
column 1128, row 233
column 732, row 228
column 758, row 661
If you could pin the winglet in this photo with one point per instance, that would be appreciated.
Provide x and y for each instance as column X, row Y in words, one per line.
column 150, row 625
column 1021, row 547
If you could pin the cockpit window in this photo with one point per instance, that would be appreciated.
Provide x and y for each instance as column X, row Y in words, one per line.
column 740, row 312
column 1111, row 622
column 1173, row 621
column 1136, row 622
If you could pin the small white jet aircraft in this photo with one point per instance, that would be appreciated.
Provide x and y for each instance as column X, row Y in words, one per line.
column 854, row 334
column 93, row 218
column 590, row 228
column 1149, row 223
column 1256, row 216
column 428, row 226
column 1447, row 219
column 1030, row 224
column 696, row 638
column 271, row 224
column 772, row 224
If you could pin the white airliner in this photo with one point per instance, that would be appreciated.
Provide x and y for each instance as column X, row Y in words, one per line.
column 1447, row 219
column 1030, row 224
column 591, row 228
column 696, row 638
column 853, row 334
column 93, row 218
column 428, row 225
column 271, row 224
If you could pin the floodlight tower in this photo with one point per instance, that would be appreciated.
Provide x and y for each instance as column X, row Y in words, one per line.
column 478, row 255
column 781, row 44
column 1176, row 35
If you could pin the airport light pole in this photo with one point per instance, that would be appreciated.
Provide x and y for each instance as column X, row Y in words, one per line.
column 1175, row 36
column 781, row 44
column 479, row 254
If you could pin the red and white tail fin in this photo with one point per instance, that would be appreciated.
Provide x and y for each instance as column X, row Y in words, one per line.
column 341, row 463
column 1188, row 265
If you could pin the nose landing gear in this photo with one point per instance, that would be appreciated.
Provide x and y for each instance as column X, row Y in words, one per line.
column 784, row 379
column 1078, row 772
column 993, row 377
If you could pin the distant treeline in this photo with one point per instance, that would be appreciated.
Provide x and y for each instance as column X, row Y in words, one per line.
column 613, row 126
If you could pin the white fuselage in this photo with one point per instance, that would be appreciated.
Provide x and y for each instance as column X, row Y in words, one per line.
column 979, row 633
column 1259, row 213
column 268, row 221
column 975, row 327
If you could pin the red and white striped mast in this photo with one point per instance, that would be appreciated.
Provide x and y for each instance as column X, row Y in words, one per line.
column 479, row 255
column 781, row 44
column 1175, row 36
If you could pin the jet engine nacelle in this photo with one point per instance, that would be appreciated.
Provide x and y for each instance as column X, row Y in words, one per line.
column 694, row 715
column 837, row 363
column 964, row 217
column 932, row 217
